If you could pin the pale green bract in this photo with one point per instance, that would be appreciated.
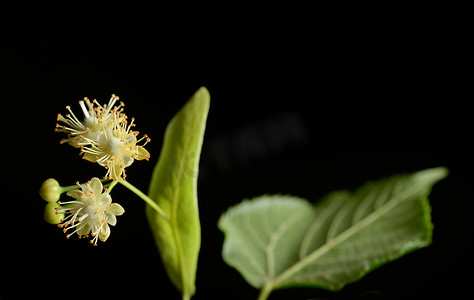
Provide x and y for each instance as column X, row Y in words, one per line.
column 173, row 187
column 279, row 241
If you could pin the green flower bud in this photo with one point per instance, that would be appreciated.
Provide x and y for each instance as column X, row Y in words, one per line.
column 50, row 190
column 52, row 214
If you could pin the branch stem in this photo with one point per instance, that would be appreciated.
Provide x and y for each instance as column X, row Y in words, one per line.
column 265, row 291
column 144, row 197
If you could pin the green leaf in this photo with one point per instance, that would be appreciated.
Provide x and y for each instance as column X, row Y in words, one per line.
column 259, row 232
column 276, row 241
column 173, row 187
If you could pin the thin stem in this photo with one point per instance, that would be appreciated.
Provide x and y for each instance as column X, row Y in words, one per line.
column 68, row 188
column 265, row 291
column 111, row 185
column 185, row 297
column 144, row 197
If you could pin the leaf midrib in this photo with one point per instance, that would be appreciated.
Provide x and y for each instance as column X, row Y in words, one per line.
column 380, row 212
column 174, row 220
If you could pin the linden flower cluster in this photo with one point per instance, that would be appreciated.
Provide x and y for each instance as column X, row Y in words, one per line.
column 104, row 136
column 90, row 213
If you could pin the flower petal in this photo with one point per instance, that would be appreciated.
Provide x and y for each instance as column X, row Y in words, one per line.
column 90, row 157
column 96, row 186
column 85, row 230
column 115, row 170
column 142, row 153
column 127, row 160
column 130, row 138
column 104, row 233
column 76, row 194
column 111, row 219
column 73, row 142
column 116, row 209
column 105, row 199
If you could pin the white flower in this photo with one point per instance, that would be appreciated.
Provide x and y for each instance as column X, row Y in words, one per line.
column 115, row 148
column 104, row 136
column 96, row 119
column 90, row 213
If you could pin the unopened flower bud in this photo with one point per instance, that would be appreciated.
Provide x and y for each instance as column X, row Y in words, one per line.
column 52, row 214
column 50, row 190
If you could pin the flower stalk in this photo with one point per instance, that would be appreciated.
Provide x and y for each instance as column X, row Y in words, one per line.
column 144, row 197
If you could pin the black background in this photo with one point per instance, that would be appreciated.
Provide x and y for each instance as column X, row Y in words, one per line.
column 305, row 99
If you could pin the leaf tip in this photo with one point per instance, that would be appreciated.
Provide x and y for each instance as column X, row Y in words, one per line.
column 433, row 174
column 203, row 93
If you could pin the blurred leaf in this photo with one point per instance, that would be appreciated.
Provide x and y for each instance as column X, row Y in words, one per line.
column 261, row 235
column 173, row 187
column 276, row 241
